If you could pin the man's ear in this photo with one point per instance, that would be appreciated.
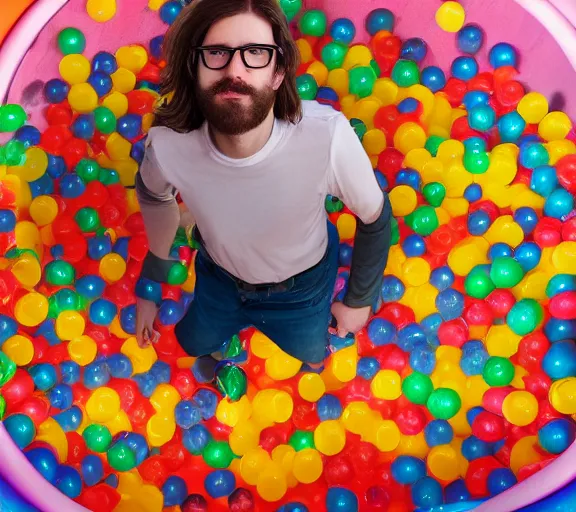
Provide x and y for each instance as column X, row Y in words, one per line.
column 278, row 79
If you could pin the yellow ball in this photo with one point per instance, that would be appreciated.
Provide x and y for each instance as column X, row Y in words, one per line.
column 27, row 270
column 31, row 309
column 307, row 466
column 165, row 398
column 271, row 485
column 442, row 462
column 282, row 366
column 416, row 271
column 409, row 136
column 374, row 141
column 74, row 68
column 123, row 80
column 564, row 256
column 403, row 200
column 262, row 346
column 387, row 435
column 520, row 408
column 562, row 395
column 70, row 324
column 339, row 81
column 35, row 165
column 311, row 387
column 101, row 11
column 305, row 50
column 19, row 348
column 142, row 359
column 103, row 405
column 160, row 429
column 231, row 413
column 43, row 210
column 319, row 71
column 533, row 107
column 329, row 437
column 118, row 147
column 83, row 98
column 132, row 57
column 555, row 126
column 468, row 253
column 244, row 437
column 112, row 267
column 346, row 225
column 387, row 385
column 252, row 464
column 117, row 103
column 450, row 16
column 357, row 55
column 82, row 350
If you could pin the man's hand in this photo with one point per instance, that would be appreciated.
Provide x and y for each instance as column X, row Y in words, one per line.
column 145, row 316
column 350, row 319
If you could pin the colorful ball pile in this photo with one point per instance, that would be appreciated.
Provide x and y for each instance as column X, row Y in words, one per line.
column 462, row 384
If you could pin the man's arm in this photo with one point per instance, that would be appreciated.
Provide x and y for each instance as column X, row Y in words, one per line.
column 352, row 179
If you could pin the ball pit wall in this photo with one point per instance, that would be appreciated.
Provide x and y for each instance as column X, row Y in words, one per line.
column 527, row 24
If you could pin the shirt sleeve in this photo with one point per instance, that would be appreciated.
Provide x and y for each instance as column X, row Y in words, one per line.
column 156, row 186
column 350, row 174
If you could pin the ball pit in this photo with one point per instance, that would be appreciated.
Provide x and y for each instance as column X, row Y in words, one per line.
column 462, row 384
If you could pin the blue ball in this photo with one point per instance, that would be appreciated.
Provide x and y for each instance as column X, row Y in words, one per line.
column 474, row 357
column 544, row 180
column 195, row 439
column 92, row 469
column 438, row 432
column 533, row 154
column 408, row 106
column 102, row 312
column 21, row 429
column 61, row 396
column 44, row 376
column 138, row 444
column 149, row 290
column 475, row 145
column 559, row 204
column 411, row 336
column 174, row 491
column 129, row 126
column 68, row 481
column 342, row 30
column 56, row 91
column 96, row 375
column 392, row 289
column 500, row 250
column 557, row 284
column 464, row 68
column 433, row 78
column 7, row 221
column 473, row 193
column 8, row 328
column 187, row 414
column 156, row 46
column 431, row 324
column 474, row 448
column 207, row 400
column 450, row 304
column 503, row 54
column 84, row 127
column 414, row 245
column 138, row 150
column 56, row 166
column 557, row 435
column 101, row 82
column 472, row 413
column 560, row 360
column 161, row 371
column 470, row 39
column 474, row 98
column 293, row 507
column 120, row 366
column 409, row 177
column 423, row 359
column 478, row 222
column 170, row 11
column 414, row 49
column 44, row 461
column 28, row 135
column 379, row 19
column 442, row 277
column 557, row 330
column 220, row 483
column 511, row 126
column 427, row 492
column 146, row 383
column 500, row 479
column 90, row 286
column 71, row 186
column 528, row 255
column 456, row 492
column 482, row 118
column 128, row 319
column 70, row 372
column 345, row 255
column 42, row 186
column 381, row 179
column 407, row 469
column 340, row 499
column 368, row 367
column 170, row 312
column 104, row 62
column 329, row 407
column 527, row 218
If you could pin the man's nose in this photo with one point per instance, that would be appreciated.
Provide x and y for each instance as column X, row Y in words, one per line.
column 236, row 67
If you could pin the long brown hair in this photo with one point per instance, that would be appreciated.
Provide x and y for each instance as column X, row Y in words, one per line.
column 181, row 112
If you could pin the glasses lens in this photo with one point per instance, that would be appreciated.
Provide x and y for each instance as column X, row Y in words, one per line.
column 216, row 57
column 257, row 57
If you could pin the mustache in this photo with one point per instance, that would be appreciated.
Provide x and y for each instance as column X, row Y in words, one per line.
column 229, row 85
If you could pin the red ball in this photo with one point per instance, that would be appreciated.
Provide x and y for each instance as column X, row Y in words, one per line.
column 18, row 388
column 59, row 115
column 77, row 449
column 566, row 172
column 547, row 232
column 37, row 407
column 73, row 151
column 55, row 138
column 390, row 162
column 563, row 305
column 398, row 314
column 538, row 384
column 241, row 500
column 461, row 130
column 194, row 503
column 153, row 470
column 501, row 302
column 477, row 475
column 304, row 416
column 494, row 397
column 488, row 427
column 532, row 349
column 184, row 382
column 411, row 420
column 100, row 498
column 455, row 90
column 569, row 230
column 127, row 391
column 453, row 333
column 338, row 470
column 96, row 194
column 75, row 247
column 391, row 357
column 478, row 313
column 442, row 240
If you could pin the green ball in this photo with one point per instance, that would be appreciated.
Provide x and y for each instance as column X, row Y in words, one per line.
column 506, row 272
column 362, row 80
column 218, row 454
column 2, row 155
column 525, row 317
column 177, row 274
column 375, row 67
column 395, row 232
column 67, row 300
column 97, row 437
column 291, row 8
column 444, row 403
column 14, row 152
column 476, row 162
column 306, row 86
column 405, row 73
column 333, row 204
column 108, row 176
column 360, row 127
column 423, row 220
column 105, row 120
column 87, row 219
column 60, row 273
column 7, row 369
column 301, row 440
column 333, row 55
column 2, row 407
column 478, row 283
column 417, row 388
column 232, row 381
column 12, row 117
column 71, row 40
column 498, row 371
column 121, row 457
column 313, row 23
column 433, row 143
column 434, row 193
column 88, row 170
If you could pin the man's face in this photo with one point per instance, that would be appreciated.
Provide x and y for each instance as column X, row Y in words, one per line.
column 237, row 99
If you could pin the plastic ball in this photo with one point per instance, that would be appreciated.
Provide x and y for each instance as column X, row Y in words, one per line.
column 340, row 499
column 450, row 16
column 511, row 126
column 406, row 73
column 443, row 403
column 470, row 39
column 342, row 30
column 433, row 78
column 175, row 491
column 464, row 68
column 21, row 429
column 68, row 481
column 520, row 408
column 170, row 11
column 525, row 316
column 438, row 432
column 92, row 470
column 417, row 388
column 427, row 492
column 44, row 461
column 407, row 469
column 71, row 40
column 503, row 54
column 559, row 203
column 56, row 90
column 499, row 480
column 12, row 117
column 414, row 49
column 220, row 483
column 557, row 435
column 313, row 23
column 379, row 19
column 559, row 361
column 306, row 86
column 533, row 155
column 482, row 118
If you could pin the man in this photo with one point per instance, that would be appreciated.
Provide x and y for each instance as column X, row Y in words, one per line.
column 253, row 165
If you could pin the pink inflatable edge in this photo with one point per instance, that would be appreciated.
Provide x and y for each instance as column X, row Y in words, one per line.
column 557, row 16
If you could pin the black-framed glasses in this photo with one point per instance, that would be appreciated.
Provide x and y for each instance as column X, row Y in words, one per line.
column 254, row 56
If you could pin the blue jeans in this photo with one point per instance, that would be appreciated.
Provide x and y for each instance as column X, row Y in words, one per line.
column 296, row 317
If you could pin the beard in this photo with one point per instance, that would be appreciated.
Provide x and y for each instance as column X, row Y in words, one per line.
column 232, row 116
